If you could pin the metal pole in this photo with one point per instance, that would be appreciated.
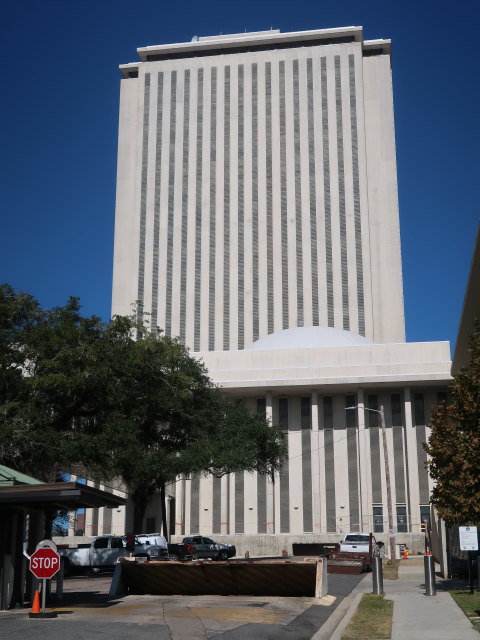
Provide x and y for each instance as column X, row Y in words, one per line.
column 430, row 586
column 44, row 594
column 60, row 576
column 391, row 534
column 471, row 561
column 377, row 576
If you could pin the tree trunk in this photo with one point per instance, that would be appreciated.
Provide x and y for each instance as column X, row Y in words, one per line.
column 164, row 512
column 140, row 499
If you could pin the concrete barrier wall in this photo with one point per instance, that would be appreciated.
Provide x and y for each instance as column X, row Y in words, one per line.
column 273, row 544
column 275, row 578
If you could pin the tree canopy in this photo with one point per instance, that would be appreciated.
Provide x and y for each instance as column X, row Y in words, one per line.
column 454, row 445
column 116, row 400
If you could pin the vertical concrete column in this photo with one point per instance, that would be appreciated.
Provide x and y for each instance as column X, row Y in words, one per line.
column 273, row 495
column 383, row 467
column 89, row 522
column 224, row 498
column 72, row 514
column 188, row 500
column 342, row 498
column 364, row 462
column 391, row 457
column 412, row 465
column 101, row 513
column 321, row 467
column 231, row 503
column 71, row 522
column 250, row 514
column 118, row 521
column 315, row 464
column 205, row 522
column 179, row 505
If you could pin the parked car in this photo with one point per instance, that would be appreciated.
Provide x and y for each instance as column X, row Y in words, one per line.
column 194, row 547
column 360, row 543
column 104, row 551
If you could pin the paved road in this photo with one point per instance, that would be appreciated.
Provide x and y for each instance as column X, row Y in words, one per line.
column 87, row 613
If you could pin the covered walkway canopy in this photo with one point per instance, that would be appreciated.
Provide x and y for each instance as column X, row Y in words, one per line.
column 24, row 505
column 58, row 495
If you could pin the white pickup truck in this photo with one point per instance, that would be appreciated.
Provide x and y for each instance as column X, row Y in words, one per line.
column 104, row 551
column 359, row 543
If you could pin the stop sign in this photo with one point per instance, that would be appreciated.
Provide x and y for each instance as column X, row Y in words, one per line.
column 44, row 563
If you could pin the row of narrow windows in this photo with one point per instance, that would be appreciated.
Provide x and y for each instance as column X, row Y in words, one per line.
column 241, row 187
column 393, row 413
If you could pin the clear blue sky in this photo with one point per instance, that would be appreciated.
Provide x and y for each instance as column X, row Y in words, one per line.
column 59, row 113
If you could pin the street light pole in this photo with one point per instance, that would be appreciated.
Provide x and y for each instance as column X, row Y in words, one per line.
column 391, row 534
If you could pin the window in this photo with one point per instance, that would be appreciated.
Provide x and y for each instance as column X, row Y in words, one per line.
column 373, row 417
column 378, row 519
column 442, row 397
column 100, row 543
column 357, row 538
column 327, row 406
column 396, row 404
column 283, row 412
column 402, row 523
column 350, row 413
column 425, row 514
column 305, row 413
column 117, row 543
column 261, row 405
column 418, row 409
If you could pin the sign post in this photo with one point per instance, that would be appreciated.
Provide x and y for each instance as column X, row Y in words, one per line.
column 44, row 564
column 469, row 542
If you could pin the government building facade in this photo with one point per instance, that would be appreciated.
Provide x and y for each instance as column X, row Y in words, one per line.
column 257, row 219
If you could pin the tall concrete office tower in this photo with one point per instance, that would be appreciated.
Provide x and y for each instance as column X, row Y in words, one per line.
column 257, row 188
column 257, row 219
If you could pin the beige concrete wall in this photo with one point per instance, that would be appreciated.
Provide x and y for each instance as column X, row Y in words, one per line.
column 357, row 365
column 368, row 115
column 384, row 226
column 273, row 545
column 125, row 264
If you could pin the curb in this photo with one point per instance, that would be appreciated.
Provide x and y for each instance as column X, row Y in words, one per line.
column 333, row 628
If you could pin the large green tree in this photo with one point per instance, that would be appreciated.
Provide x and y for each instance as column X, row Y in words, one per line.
column 454, row 445
column 116, row 400
column 170, row 419
column 51, row 379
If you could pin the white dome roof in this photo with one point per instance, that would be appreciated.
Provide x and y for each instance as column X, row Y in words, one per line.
column 308, row 338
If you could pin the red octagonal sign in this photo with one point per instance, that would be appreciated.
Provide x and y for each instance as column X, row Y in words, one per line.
column 44, row 563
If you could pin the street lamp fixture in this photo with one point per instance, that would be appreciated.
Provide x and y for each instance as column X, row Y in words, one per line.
column 391, row 532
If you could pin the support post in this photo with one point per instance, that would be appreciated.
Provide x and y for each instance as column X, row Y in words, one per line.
column 377, row 576
column 391, row 534
column 321, row 579
column 430, row 586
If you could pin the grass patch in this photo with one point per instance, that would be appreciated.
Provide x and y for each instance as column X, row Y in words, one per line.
column 390, row 570
column 469, row 603
column 372, row 619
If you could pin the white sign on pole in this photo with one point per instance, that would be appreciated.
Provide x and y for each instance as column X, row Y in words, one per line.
column 468, row 538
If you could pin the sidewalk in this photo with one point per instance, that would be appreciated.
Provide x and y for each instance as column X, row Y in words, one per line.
column 415, row 615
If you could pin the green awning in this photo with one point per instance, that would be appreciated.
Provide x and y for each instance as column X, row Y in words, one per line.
column 11, row 477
